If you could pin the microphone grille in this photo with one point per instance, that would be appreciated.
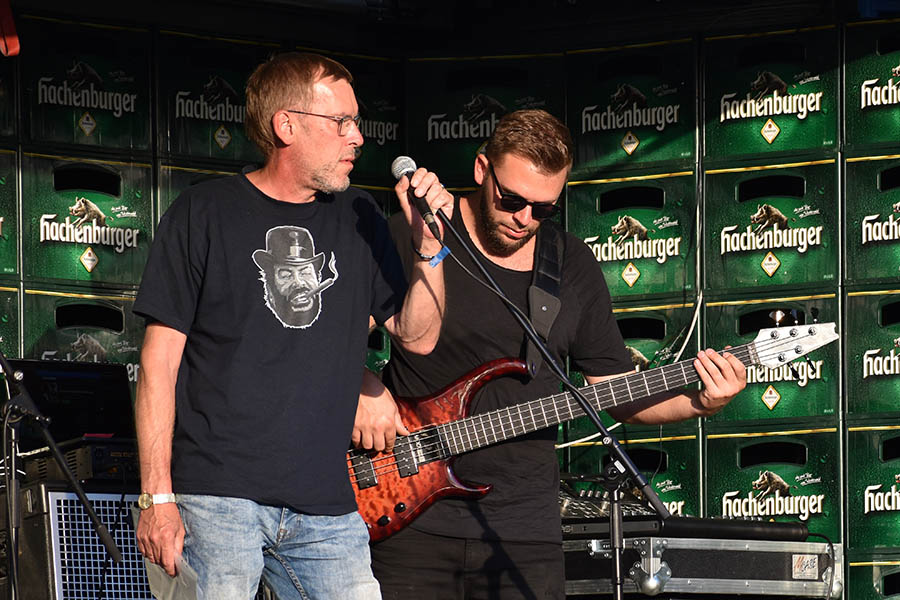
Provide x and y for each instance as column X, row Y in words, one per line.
column 401, row 166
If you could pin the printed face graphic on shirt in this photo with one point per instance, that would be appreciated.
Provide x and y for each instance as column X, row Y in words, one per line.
column 291, row 273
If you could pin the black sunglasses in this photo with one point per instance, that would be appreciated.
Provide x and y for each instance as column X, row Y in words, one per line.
column 513, row 203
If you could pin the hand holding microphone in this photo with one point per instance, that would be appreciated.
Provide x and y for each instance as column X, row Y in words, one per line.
column 424, row 191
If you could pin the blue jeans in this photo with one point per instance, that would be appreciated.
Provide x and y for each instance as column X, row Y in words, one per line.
column 232, row 542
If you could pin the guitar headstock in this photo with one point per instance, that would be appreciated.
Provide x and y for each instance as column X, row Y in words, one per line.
column 780, row 345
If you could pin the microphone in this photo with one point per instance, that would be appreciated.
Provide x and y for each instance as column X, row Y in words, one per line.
column 404, row 165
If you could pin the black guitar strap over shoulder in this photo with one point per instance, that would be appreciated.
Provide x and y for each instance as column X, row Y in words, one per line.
column 543, row 294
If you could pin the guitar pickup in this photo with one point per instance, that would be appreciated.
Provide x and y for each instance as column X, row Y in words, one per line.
column 408, row 454
column 363, row 470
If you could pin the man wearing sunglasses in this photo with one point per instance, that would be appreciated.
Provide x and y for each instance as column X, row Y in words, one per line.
column 508, row 543
column 259, row 293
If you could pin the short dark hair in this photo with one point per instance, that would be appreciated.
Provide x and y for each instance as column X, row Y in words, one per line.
column 285, row 80
column 535, row 135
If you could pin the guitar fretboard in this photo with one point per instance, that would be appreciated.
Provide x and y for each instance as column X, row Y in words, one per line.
column 488, row 428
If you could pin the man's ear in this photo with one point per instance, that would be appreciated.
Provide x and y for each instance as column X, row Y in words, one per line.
column 481, row 168
column 285, row 129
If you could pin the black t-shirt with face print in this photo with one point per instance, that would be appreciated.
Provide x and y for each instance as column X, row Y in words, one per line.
column 275, row 299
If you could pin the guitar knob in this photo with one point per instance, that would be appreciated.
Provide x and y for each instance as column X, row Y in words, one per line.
column 383, row 520
column 400, row 507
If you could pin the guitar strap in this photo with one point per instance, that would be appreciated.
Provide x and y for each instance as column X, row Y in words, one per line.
column 543, row 294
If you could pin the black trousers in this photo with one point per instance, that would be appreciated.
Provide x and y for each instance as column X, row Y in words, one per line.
column 416, row 565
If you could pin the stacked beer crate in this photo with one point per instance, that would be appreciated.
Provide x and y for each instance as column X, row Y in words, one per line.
column 872, row 306
column 200, row 110
column 771, row 257
column 632, row 198
column 84, row 208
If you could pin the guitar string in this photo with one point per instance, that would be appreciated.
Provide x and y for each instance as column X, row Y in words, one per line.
column 438, row 449
column 432, row 445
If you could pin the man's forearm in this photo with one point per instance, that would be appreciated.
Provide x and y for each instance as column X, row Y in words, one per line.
column 417, row 326
column 155, row 422
column 155, row 406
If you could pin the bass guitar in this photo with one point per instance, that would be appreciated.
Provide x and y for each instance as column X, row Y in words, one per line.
column 392, row 489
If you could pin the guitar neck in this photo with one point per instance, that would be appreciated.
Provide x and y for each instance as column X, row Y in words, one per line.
column 496, row 426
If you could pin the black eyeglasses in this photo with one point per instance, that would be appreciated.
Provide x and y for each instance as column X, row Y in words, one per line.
column 513, row 203
column 341, row 121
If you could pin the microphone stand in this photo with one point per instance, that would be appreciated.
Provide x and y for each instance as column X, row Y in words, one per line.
column 17, row 407
column 621, row 467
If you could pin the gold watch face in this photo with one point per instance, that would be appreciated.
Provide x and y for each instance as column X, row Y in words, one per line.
column 145, row 501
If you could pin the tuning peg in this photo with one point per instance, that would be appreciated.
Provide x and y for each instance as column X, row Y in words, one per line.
column 796, row 314
column 777, row 316
column 815, row 314
column 794, row 371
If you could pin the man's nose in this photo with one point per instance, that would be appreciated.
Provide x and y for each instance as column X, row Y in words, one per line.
column 523, row 217
column 353, row 134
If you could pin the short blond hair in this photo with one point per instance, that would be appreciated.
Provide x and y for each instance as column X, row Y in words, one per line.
column 284, row 81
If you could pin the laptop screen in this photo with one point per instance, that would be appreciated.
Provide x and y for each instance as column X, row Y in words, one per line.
column 80, row 398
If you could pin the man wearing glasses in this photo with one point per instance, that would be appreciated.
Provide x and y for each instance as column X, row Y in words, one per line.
column 258, row 294
column 508, row 543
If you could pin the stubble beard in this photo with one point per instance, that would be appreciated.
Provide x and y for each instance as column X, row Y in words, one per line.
column 494, row 242
column 327, row 181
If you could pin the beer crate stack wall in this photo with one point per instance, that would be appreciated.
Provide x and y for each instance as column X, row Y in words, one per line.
column 771, row 255
column 871, row 294
column 633, row 198
column 724, row 183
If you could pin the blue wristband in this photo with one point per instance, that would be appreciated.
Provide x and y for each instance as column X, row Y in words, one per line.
column 437, row 258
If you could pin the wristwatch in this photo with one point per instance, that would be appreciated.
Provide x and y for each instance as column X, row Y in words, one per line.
column 146, row 500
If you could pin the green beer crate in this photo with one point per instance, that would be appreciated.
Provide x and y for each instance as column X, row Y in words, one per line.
column 201, row 100
column 60, row 325
column 873, row 479
column 466, row 99
column 771, row 227
column 89, row 85
column 771, row 93
column 808, row 391
column 872, row 217
column 671, row 465
column 653, row 336
column 85, row 221
column 175, row 178
column 872, row 363
column 872, row 81
column 378, row 350
column 9, row 214
column 778, row 475
column 9, row 318
column 378, row 83
column 642, row 230
column 873, row 577
column 632, row 107
column 8, row 94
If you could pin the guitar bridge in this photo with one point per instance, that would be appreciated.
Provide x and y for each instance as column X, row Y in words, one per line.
column 363, row 470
